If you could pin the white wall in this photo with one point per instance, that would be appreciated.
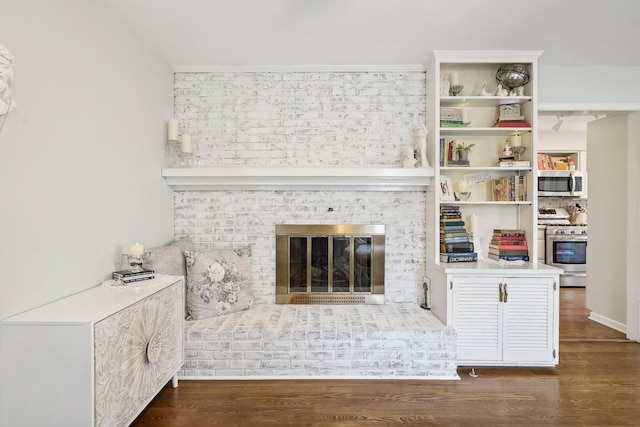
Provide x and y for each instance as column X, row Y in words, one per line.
column 609, row 209
column 81, row 153
column 588, row 85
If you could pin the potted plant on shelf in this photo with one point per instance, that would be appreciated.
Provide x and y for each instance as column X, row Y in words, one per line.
column 463, row 151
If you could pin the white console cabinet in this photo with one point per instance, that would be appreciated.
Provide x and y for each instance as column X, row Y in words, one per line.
column 96, row 358
column 505, row 319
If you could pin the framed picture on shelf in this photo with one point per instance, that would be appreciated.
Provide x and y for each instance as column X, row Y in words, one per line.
column 446, row 189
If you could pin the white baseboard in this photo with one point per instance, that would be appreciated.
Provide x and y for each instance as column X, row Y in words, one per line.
column 321, row 377
column 620, row 327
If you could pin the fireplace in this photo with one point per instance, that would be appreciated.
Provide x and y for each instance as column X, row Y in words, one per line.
column 330, row 264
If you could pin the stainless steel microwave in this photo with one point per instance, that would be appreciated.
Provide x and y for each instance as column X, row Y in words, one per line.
column 562, row 183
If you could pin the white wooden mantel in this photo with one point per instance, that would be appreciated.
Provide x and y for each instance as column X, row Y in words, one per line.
column 365, row 178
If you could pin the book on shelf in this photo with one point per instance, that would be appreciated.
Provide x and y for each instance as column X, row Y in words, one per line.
column 122, row 274
column 451, row 124
column 513, row 163
column 459, row 163
column 456, row 234
column 545, row 162
column 451, row 219
column 449, row 209
column 134, row 279
column 509, row 257
column 512, row 124
column 453, row 232
column 502, row 252
column 509, row 188
column 458, row 257
column 503, row 247
column 456, row 239
column 462, row 247
column 451, row 226
column 508, row 233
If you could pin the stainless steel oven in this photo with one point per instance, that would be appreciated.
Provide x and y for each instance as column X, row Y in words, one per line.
column 566, row 248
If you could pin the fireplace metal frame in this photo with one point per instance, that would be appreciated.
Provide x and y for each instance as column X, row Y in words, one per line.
column 283, row 234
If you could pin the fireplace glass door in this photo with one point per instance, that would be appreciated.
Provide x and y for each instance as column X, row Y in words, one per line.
column 337, row 265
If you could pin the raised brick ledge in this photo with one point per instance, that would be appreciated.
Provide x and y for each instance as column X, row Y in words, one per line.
column 306, row 341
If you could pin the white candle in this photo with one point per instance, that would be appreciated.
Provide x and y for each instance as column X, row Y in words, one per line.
column 186, row 143
column 465, row 115
column 136, row 250
column 516, row 140
column 473, row 224
column 461, row 186
column 172, row 129
column 455, row 79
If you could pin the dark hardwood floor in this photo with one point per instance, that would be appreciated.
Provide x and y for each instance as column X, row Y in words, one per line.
column 596, row 383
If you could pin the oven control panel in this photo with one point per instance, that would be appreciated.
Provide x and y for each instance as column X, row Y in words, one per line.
column 576, row 230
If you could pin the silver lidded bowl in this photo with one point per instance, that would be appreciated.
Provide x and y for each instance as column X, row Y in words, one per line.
column 512, row 76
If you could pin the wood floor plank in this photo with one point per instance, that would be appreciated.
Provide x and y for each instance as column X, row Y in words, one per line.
column 596, row 383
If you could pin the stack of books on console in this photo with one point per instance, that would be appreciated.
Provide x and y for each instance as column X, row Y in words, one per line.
column 509, row 245
column 454, row 239
column 130, row 276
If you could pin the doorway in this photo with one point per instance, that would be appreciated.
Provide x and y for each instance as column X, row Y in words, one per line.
column 574, row 121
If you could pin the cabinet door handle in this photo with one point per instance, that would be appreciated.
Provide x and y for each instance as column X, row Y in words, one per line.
column 506, row 294
column 499, row 292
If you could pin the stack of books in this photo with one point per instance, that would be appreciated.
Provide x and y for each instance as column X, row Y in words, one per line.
column 510, row 189
column 130, row 276
column 454, row 239
column 451, row 118
column 509, row 245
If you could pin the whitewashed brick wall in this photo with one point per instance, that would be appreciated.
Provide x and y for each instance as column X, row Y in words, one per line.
column 231, row 219
column 297, row 118
column 328, row 118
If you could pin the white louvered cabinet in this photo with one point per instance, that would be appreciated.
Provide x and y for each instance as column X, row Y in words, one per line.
column 505, row 321
column 96, row 358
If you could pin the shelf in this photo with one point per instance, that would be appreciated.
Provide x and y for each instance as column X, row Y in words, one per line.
column 484, row 168
column 482, row 131
column 369, row 178
column 483, row 202
column 482, row 101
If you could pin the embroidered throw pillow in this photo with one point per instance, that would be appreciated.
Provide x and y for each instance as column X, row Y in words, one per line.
column 217, row 282
column 170, row 259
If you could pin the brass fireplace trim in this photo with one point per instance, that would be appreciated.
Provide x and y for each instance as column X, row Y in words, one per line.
column 285, row 231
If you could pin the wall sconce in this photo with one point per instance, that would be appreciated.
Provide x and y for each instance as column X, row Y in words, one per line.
column 185, row 155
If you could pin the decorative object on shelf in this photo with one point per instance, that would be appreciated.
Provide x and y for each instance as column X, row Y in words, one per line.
column 512, row 76
column 483, row 90
column 446, row 189
column 6, row 81
column 462, row 151
column 516, row 146
column 136, row 257
column 445, row 86
column 461, row 190
column 180, row 150
column 456, row 89
column 507, row 151
column 501, row 91
column 462, row 196
column 422, row 140
column 409, row 158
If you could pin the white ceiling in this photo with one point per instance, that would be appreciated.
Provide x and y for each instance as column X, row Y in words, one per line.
column 381, row 32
